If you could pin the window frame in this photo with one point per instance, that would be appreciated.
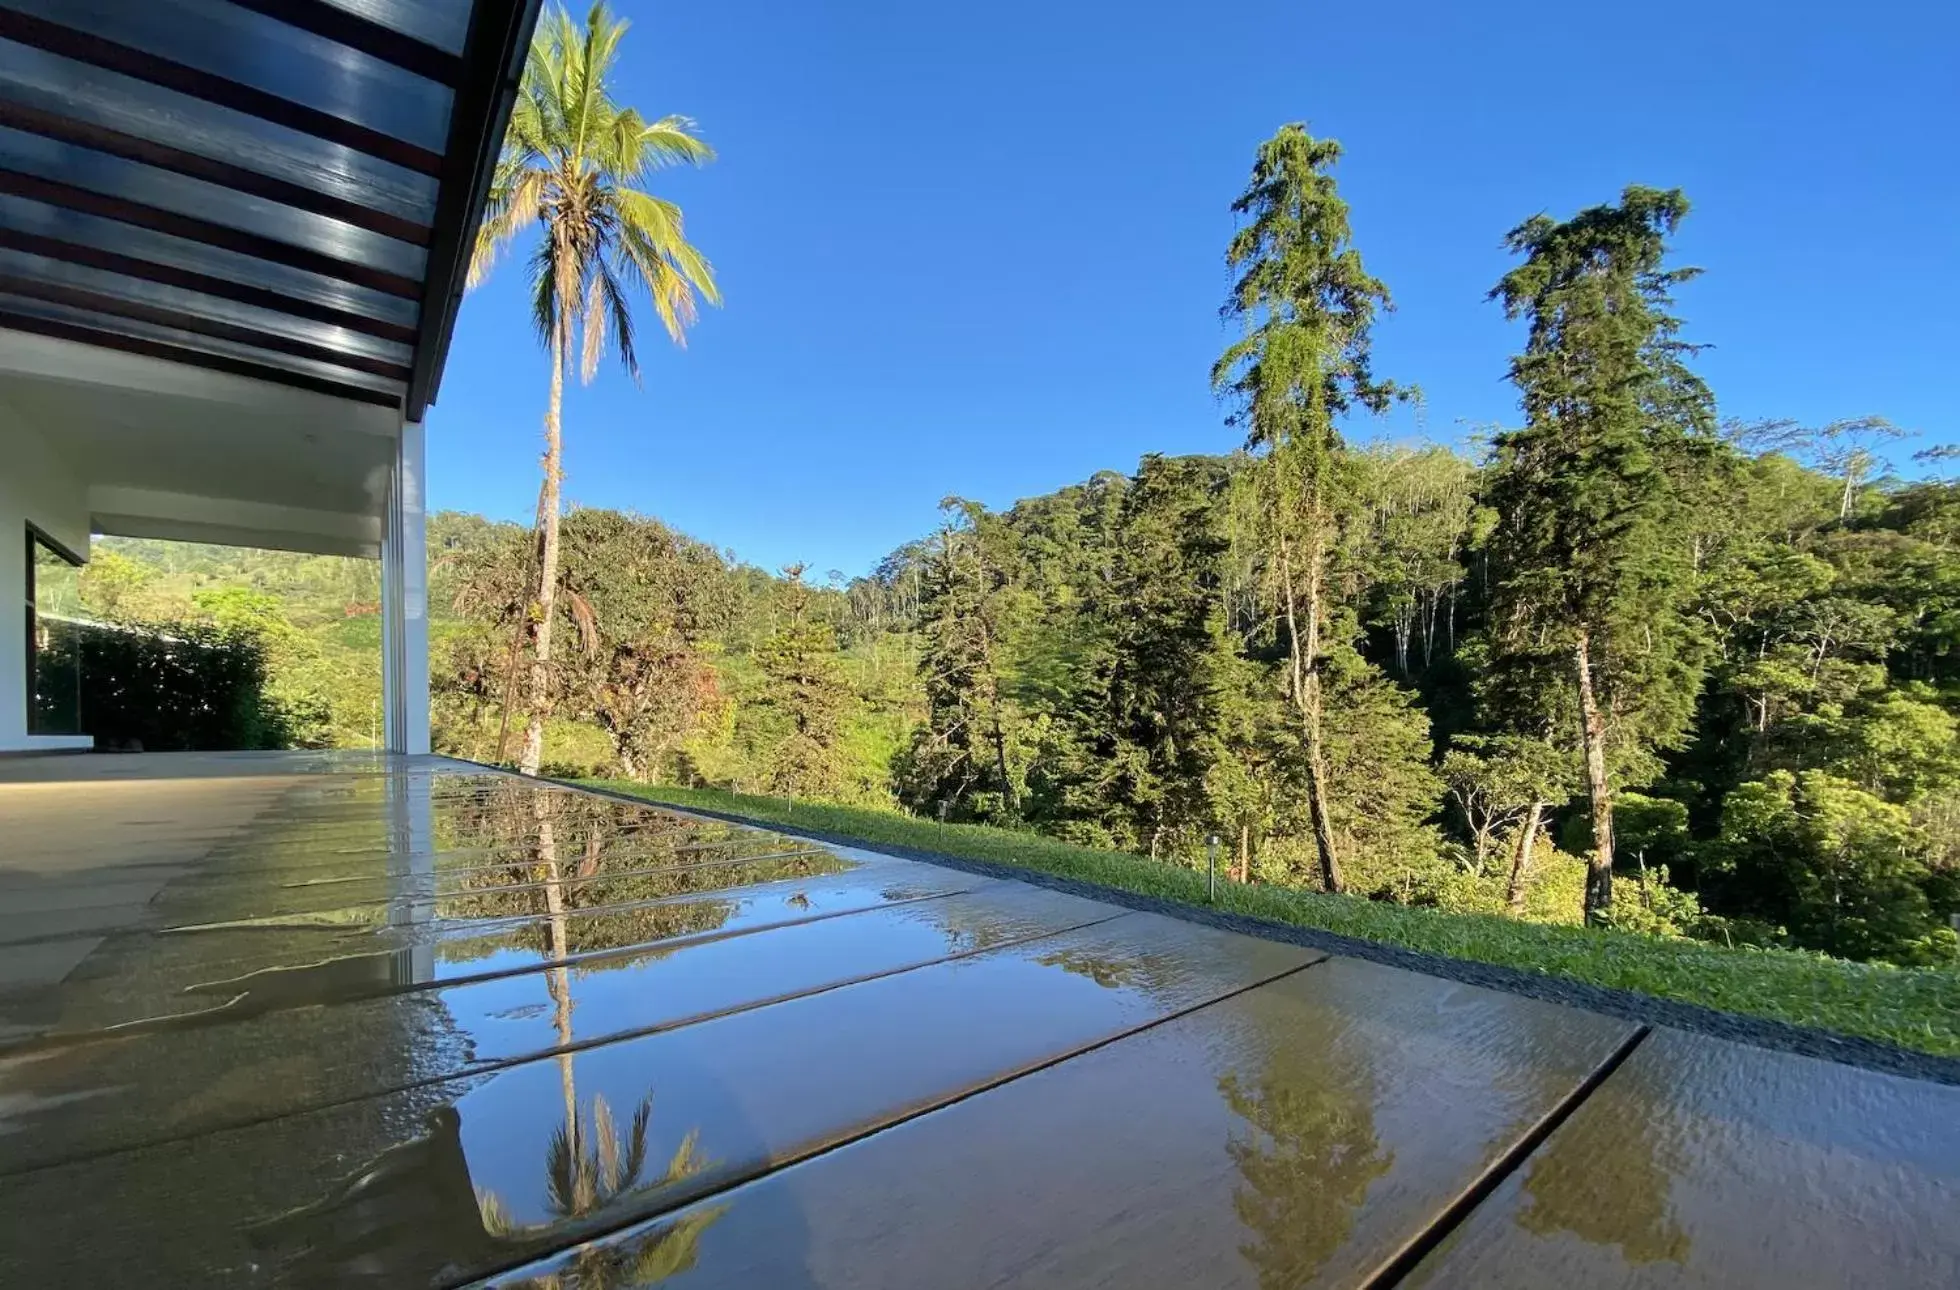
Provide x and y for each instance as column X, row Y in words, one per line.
column 38, row 537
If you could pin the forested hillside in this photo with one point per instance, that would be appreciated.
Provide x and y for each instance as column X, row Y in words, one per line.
column 315, row 619
column 1096, row 663
column 1623, row 663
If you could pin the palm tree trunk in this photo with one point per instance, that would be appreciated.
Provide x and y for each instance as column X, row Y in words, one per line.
column 558, row 982
column 533, row 751
column 1599, row 866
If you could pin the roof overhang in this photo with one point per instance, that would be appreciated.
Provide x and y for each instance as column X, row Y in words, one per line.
column 279, row 191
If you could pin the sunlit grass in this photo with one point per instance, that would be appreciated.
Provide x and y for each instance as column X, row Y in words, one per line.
column 1912, row 1007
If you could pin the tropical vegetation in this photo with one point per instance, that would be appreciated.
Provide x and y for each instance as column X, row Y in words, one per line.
column 1915, row 1008
column 1625, row 663
column 572, row 167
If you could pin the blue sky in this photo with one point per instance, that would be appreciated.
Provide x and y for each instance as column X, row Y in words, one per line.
column 977, row 249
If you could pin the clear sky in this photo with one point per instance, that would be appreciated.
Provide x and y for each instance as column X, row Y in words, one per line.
column 977, row 249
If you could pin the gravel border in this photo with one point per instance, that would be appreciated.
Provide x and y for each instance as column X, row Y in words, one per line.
column 1760, row 1032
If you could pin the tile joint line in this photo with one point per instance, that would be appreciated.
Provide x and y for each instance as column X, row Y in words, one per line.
column 222, row 1014
column 1425, row 1242
column 797, row 1158
column 499, row 1065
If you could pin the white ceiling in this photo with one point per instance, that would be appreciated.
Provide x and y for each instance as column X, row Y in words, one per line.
column 124, row 422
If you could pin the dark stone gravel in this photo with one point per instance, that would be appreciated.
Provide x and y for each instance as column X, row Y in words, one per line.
column 1759, row 1031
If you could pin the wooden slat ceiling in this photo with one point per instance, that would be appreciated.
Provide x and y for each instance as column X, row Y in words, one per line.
column 282, row 189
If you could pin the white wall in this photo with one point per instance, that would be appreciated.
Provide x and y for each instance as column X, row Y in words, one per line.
column 35, row 487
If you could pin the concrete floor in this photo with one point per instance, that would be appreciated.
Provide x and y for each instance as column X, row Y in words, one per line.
column 313, row 1019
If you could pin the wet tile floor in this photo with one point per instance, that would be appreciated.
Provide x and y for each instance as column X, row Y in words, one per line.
column 318, row 1020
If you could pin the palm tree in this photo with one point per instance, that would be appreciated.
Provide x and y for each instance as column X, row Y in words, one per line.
column 572, row 164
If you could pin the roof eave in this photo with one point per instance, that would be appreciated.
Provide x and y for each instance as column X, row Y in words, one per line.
column 493, row 62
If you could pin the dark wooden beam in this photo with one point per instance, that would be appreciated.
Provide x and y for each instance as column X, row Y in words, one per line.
column 86, row 48
column 244, row 293
column 55, row 193
column 189, row 280
column 493, row 61
column 192, row 358
column 356, row 32
column 61, row 293
column 163, row 157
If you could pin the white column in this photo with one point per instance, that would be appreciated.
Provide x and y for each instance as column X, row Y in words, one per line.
column 36, row 488
column 405, row 600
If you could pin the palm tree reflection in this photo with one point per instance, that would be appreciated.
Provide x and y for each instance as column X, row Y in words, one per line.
column 589, row 1170
column 413, row 1214
column 583, row 1182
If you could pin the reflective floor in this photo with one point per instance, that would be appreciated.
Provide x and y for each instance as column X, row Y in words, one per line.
column 317, row 1020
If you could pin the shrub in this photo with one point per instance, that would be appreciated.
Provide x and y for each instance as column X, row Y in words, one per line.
column 181, row 687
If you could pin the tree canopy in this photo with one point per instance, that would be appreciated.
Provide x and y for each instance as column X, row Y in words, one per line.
column 1618, row 663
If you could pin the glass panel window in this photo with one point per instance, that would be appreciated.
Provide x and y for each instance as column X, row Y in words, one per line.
column 54, row 657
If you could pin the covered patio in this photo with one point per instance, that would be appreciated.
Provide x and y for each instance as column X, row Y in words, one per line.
column 234, row 236
column 322, row 1019
column 391, row 1019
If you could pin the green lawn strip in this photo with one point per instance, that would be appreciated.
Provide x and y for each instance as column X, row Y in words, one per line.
column 1916, row 1008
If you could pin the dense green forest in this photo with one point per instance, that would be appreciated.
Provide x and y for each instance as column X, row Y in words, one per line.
column 1624, row 663
column 1095, row 663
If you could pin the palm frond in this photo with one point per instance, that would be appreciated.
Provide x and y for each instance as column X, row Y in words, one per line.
column 622, row 317
column 570, row 158
column 497, row 1220
column 592, row 108
column 672, row 271
column 592, row 322
column 605, row 1146
column 636, row 148
column 636, row 1145
column 660, row 223
column 561, row 1167
column 544, row 294
column 670, row 1248
column 687, row 1159
column 588, row 622
column 670, row 141
column 514, row 204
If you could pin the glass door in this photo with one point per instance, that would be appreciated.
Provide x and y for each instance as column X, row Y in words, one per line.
column 54, row 642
